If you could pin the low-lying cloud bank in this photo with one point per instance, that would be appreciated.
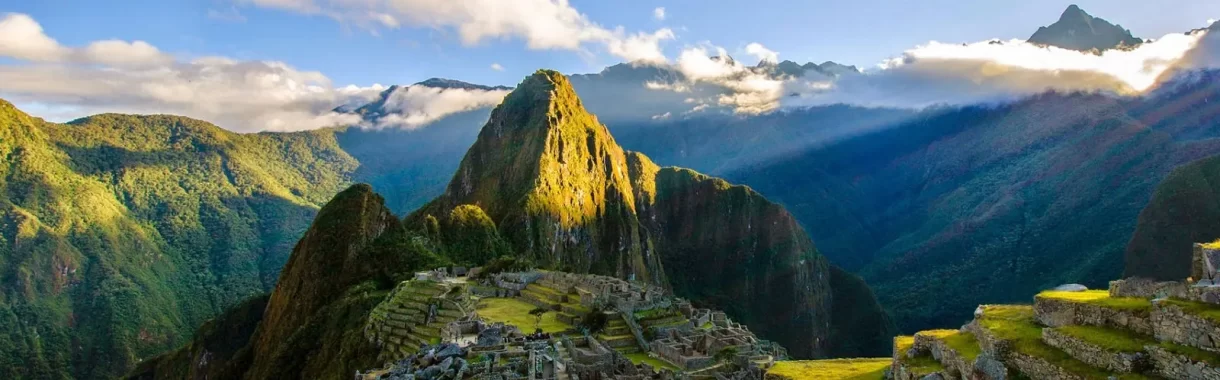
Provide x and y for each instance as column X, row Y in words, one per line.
column 415, row 106
column 246, row 96
column 941, row 73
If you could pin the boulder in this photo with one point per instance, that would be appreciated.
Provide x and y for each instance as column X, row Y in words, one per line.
column 1071, row 288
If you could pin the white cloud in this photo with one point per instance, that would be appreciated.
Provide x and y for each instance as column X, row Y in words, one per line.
column 497, row 67
column 541, row 24
column 418, row 105
column 21, row 37
column 659, row 13
column 123, row 53
column 230, row 14
column 938, row 73
column 763, row 54
column 135, row 77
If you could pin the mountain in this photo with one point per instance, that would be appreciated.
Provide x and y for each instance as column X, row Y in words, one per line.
column 1077, row 30
column 1003, row 200
column 311, row 327
column 564, row 194
column 1184, row 210
column 122, row 233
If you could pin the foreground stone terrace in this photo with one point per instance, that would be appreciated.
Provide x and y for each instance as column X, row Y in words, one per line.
column 1138, row 329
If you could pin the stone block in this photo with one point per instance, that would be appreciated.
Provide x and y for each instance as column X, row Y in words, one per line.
column 1173, row 323
column 1174, row 366
column 1126, row 362
column 1055, row 312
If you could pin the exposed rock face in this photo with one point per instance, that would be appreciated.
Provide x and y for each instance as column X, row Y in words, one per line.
column 563, row 193
column 1077, row 30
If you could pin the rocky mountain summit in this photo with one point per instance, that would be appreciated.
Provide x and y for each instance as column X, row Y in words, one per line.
column 1077, row 30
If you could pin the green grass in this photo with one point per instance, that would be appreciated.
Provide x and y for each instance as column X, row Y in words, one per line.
column 1206, row 311
column 1113, row 340
column 922, row 365
column 1101, row 298
column 642, row 357
column 963, row 342
column 1196, row 354
column 516, row 312
column 903, row 343
column 835, row 369
column 1212, row 245
column 1015, row 323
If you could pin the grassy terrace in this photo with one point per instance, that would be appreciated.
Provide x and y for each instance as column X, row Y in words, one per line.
column 920, row 365
column 1016, row 323
column 961, row 341
column 836, row 369
column 642, row 357
column 1113, row 340
column 516, row 312
column 1101, row 298
column 1206, row 311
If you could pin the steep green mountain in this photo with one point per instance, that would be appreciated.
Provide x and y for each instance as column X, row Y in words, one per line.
column 312, row 325
column 986, row 204
column 1077, row 30
column 564, row 194
column 122, row 234
column 1184, row 210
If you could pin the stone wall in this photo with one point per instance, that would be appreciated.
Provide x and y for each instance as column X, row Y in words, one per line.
column 955, row 364
column 1126, row 362
column 1144, row 288
column 1037, row 368
column 1058, row 313
column 1171, row 323
column 1174, row 366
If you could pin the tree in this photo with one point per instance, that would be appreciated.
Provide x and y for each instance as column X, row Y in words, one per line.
column 726, row 355
column 538, row 312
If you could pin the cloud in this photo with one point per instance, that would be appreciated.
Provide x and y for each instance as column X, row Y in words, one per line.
column 990, row 71
column 497, row 67
column 541, row 24
column 21, row 37
column 136, row 77
column 940, row 73
column 417, row 105
column 123, row 53
column 659, row 13
column 230, row 14
column 763, row 54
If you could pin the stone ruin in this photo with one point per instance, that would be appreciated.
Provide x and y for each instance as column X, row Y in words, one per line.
column 438, row 312
column 1136, row 329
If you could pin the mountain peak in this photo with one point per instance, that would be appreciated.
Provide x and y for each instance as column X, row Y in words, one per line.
column 1077, row 30
column 1073, row 12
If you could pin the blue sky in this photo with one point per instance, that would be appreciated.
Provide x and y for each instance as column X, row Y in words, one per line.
column 853, row 32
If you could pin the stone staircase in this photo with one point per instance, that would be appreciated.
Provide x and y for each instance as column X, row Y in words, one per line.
column 400, row 324
column 1093, row 334
column 617, row 335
